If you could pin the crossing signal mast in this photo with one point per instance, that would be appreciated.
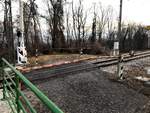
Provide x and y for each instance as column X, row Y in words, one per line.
column 21, row 49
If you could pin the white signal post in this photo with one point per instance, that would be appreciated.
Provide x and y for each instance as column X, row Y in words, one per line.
column 21, row 50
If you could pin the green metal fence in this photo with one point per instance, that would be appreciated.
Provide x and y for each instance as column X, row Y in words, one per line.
column 16, row 98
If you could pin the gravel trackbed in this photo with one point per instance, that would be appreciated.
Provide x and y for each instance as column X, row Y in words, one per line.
column 92, row 92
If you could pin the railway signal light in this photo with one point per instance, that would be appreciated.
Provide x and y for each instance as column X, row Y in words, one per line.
column 18, row 34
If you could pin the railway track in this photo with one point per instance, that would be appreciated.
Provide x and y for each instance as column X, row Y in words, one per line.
column 114, row 61
column 44, row 74
column 49, row 73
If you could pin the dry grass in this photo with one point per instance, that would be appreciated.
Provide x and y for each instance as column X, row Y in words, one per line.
column 44, row 59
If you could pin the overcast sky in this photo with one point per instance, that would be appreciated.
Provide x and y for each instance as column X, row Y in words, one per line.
column 133, row 10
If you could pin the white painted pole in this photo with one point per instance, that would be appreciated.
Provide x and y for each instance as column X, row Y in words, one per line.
column 21, row 51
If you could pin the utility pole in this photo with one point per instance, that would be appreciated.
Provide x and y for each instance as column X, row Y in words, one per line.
column 117, row 38
column 120, row 20
column 120, row 57
column 21, row 50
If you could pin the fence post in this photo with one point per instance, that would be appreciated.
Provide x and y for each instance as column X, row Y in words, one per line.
column 17, row 93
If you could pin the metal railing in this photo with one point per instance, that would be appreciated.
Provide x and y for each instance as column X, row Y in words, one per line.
column 18, row 101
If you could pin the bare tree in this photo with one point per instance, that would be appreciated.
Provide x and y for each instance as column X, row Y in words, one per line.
column 110, row 22
column 2, row 41
column 68, row 25
column 133, row 37
column 140, row 38
column 102, row 20
column 111, row 31
column 132, row 29
column 93, row 37
column 79, row 18
column 33, row 37
column 8, row 30
column 56, row 27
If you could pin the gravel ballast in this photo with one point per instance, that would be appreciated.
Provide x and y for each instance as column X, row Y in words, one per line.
column 92, row 92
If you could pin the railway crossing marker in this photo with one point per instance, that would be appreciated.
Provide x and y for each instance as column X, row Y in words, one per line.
column 120, row 67
column 22, row 55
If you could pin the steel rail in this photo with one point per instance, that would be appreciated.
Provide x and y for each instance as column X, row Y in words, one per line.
column 83, row 67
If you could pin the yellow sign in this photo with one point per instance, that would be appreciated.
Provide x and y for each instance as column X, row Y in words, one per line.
column 147, row 27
